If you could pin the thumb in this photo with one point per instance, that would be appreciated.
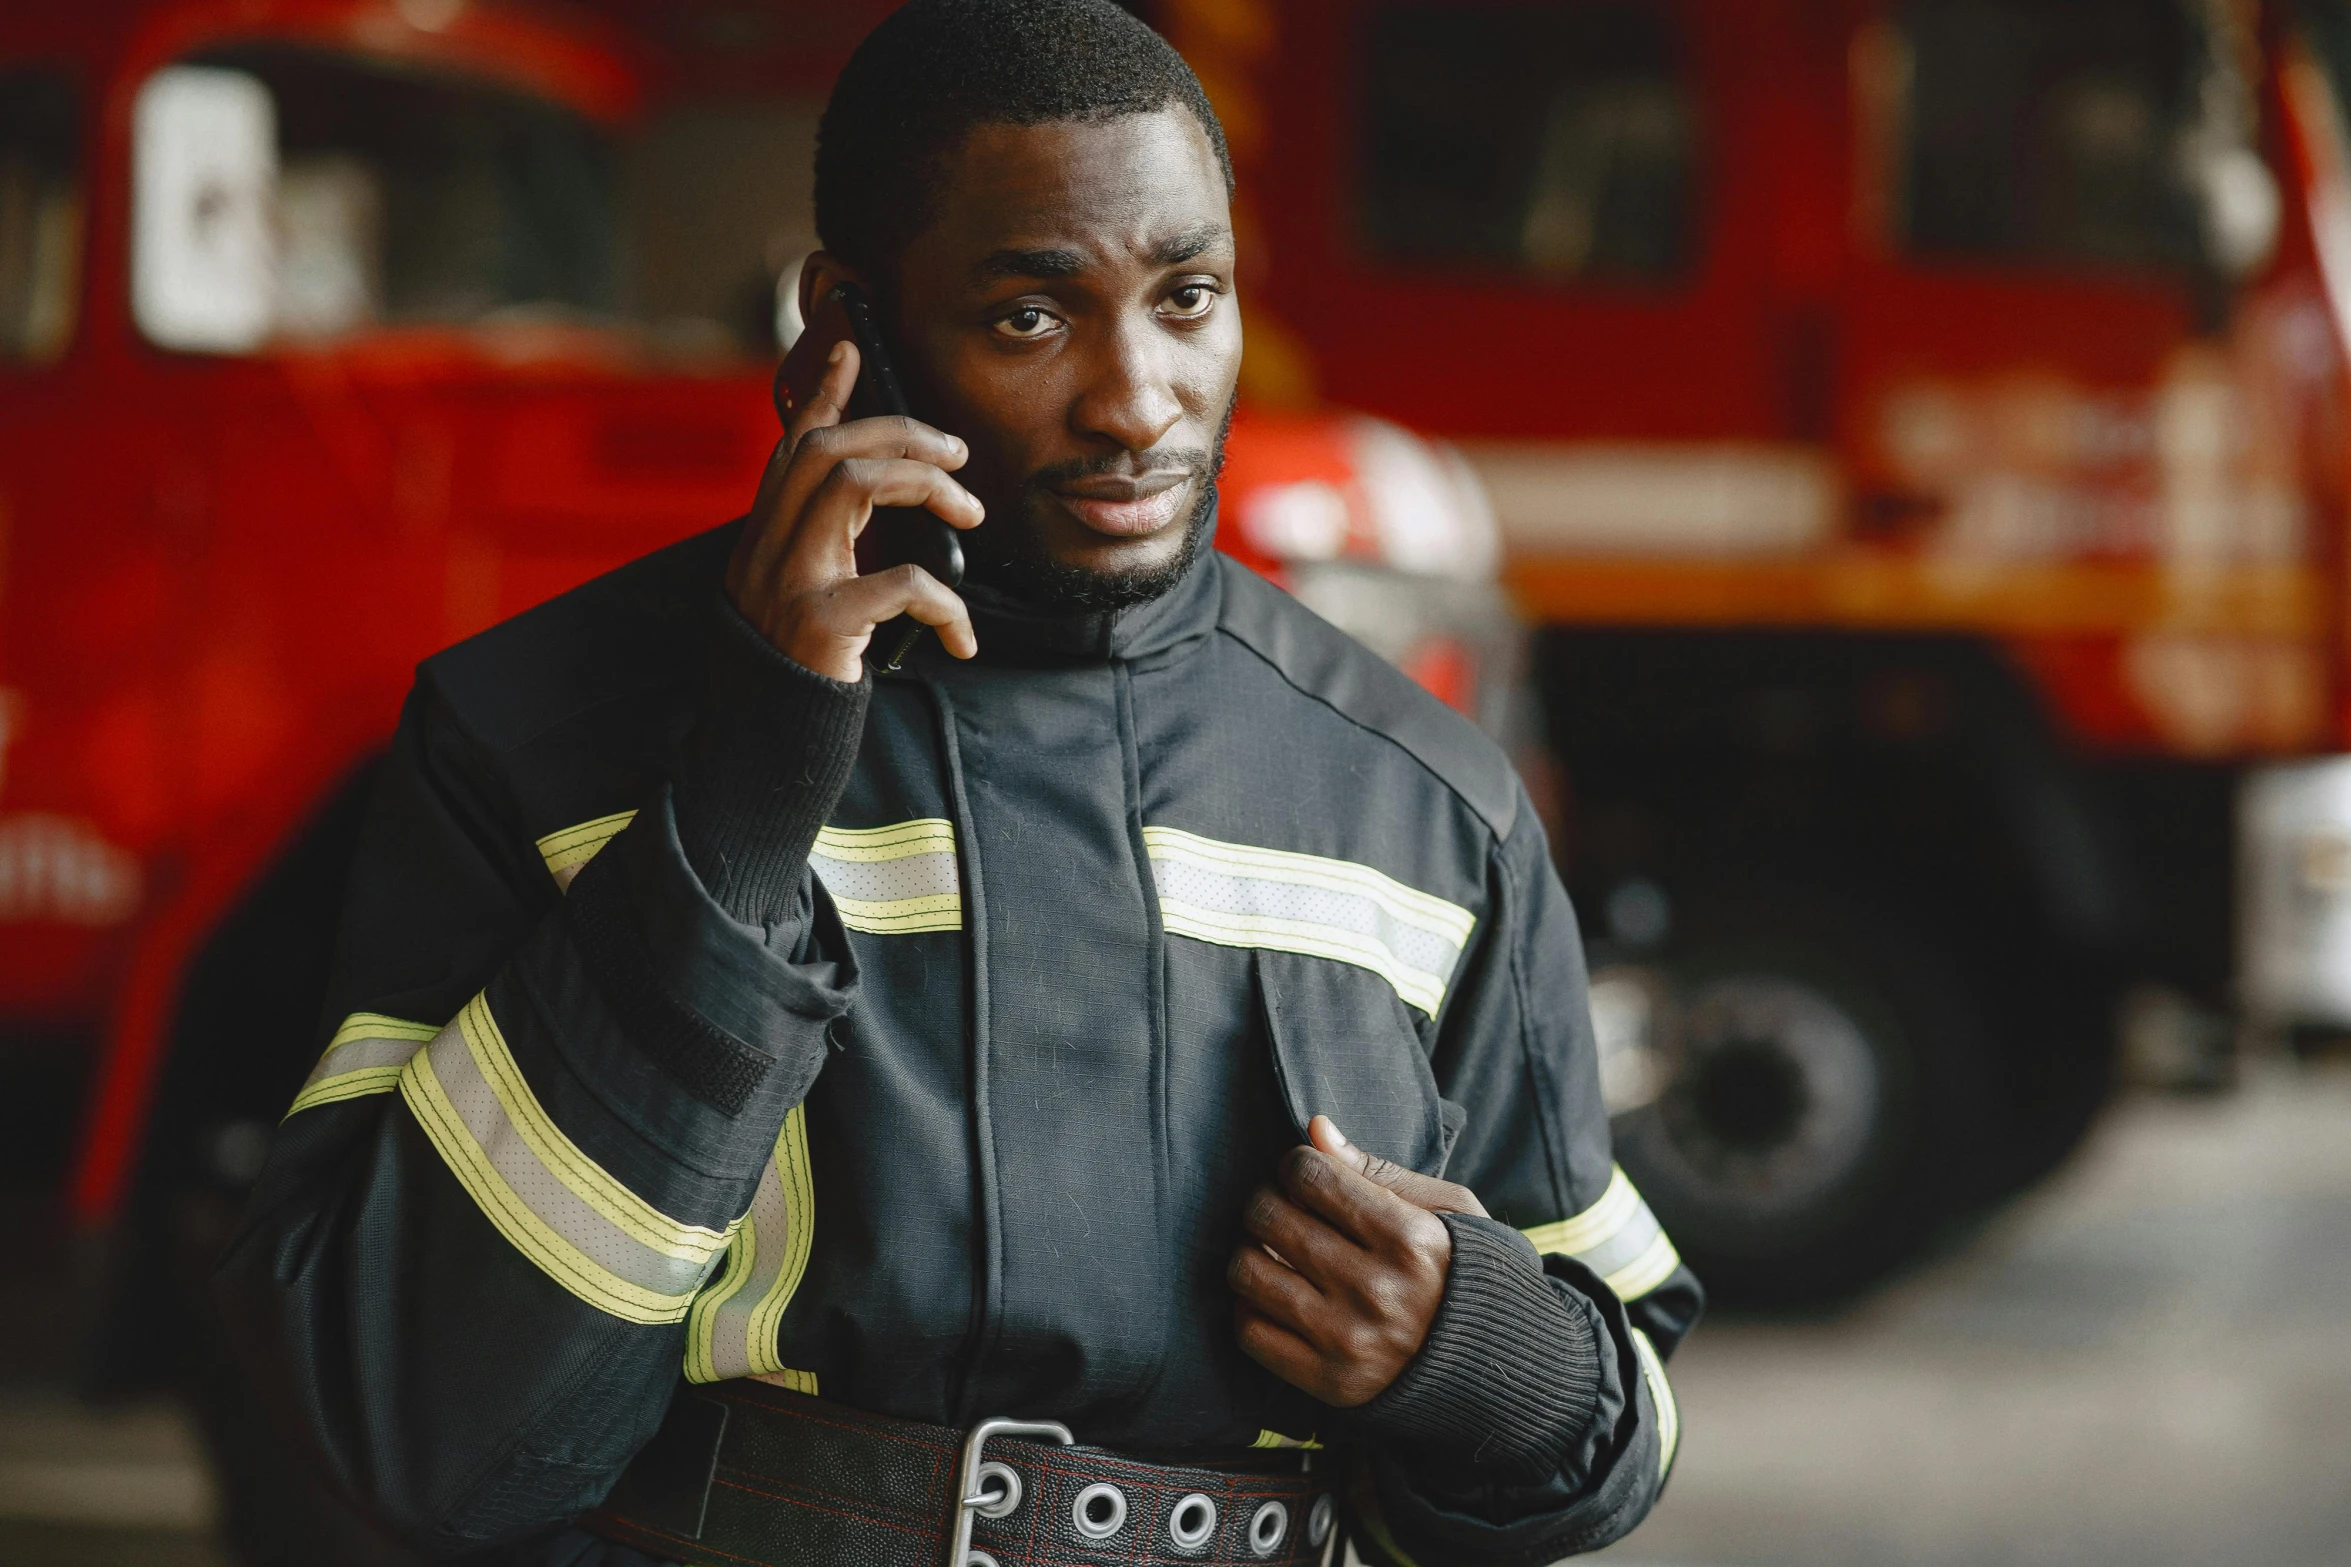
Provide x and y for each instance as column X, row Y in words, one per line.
column 1422, row 1191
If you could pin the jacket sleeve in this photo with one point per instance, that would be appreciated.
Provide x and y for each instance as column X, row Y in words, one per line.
column 1536, row 1421
column 475, row 1264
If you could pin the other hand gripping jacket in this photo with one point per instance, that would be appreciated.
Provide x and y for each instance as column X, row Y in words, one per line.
column 912, row 1047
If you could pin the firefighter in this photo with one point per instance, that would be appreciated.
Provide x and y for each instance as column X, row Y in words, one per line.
column 1119, row 1085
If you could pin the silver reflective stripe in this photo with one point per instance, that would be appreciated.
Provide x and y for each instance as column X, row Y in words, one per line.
column 1617, row 1238
column 567, row 850
column 553, row 1203
column 1238, row 896
column 732, row 1329
column 364, row 1057
column 893, row 880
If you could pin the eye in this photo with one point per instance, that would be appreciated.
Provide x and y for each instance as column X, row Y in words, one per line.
column 1189, row 301
column 1027, row 322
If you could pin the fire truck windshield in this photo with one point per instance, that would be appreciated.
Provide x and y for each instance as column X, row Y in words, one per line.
column 2099, row 133
column 1553, row 140
column 382, row 196
column 40, row 214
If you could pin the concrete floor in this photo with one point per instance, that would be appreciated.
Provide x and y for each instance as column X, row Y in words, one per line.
column 2148, row 1361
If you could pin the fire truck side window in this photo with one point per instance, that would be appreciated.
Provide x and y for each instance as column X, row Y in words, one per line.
column 1553, row 140
column 405, row 196
column 2053, row 132
column 40, row 215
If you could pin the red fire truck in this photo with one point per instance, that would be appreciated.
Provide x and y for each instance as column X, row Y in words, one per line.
column 1916, row 428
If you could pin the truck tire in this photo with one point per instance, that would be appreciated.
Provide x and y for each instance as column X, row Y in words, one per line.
column 1819, row 1071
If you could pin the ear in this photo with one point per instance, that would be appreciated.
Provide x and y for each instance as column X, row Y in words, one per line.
column 820, row 274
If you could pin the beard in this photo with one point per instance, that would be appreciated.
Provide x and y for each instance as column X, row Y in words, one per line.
column 1016, row 560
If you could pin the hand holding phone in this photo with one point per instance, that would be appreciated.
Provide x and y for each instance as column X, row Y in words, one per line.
column 812, row 570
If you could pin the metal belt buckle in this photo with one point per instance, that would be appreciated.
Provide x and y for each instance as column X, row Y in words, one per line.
column 972, row 1502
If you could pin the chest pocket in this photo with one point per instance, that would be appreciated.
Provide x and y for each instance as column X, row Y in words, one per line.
column 1343, row 1046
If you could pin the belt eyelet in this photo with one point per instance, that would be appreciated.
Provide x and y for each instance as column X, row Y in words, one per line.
column 1002, row 1504
column 1319, row 1520
column 1099, row 1523
column 1191, row 1523
column 1267, row 1526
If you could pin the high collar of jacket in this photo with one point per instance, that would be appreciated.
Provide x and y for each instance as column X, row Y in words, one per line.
column 1011, row 631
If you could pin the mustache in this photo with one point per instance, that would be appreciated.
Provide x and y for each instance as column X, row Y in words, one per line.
column 1125, row 465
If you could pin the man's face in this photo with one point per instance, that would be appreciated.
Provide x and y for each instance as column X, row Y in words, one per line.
column 1071, row 315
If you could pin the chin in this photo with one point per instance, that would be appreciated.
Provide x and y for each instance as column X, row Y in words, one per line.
column 1048, row 567
column 1121, row 557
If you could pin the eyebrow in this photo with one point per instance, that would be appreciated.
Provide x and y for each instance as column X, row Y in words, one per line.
column 1055, row 261
column 1186, row 244
column 1029, row 263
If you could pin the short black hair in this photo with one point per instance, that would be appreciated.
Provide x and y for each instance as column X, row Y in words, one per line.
column 934, row 69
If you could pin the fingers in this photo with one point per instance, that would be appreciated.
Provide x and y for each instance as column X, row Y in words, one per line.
column 1276, row 1348
column 1303, row 1241
column 1422, row 1191
column 846, row 611
column 1279, row 1292
column 830, row 405
column 1360, row 1209
column 793, row 573
column 857, row 485
column 1343, row 1358
column 806, row 537
column 822, row 451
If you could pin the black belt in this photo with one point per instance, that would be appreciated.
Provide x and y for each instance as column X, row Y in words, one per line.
column 743, row 1472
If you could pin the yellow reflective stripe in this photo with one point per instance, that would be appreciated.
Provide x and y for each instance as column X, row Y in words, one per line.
column 898, row 841
column 344, row 1085
column 1237, row 895
column 1595, row 1224
column 894, row 880
column 379, row 1025
column 1669, row 1413
column 1307, row 939
column 1374, row 1523
column 586, row 1231
column 1276, row 1439
column 703, row 1317
column 1618, row 1238
column 797, row 1381
column 901, row 916
column 364, row 1057
column 728, row 1335
column 569, row 848
column 1645, row 1272
column 1409, row 904
column 799, row 1184
column 588, row 1180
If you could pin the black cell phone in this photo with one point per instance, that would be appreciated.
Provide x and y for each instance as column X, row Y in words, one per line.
column 896, row 534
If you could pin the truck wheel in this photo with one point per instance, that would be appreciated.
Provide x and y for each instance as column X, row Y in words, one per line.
column 1816, row 1071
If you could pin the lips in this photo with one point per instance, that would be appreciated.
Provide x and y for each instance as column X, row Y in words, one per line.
column 1131, row 510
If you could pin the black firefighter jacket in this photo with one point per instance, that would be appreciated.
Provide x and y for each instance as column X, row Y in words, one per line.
column 965, row 1125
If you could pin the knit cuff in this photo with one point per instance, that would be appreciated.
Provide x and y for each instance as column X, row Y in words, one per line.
column 1509, row 1376
column 765, row 765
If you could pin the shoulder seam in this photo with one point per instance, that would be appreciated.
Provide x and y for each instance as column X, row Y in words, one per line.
column 1382, row 735
column 1500, row 830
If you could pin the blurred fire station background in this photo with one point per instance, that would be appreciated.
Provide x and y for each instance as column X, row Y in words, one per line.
column 1881, row 465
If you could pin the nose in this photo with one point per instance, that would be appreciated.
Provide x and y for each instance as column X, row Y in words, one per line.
column 1130, row 399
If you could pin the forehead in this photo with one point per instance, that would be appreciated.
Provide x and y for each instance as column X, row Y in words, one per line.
column 1112, row 190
